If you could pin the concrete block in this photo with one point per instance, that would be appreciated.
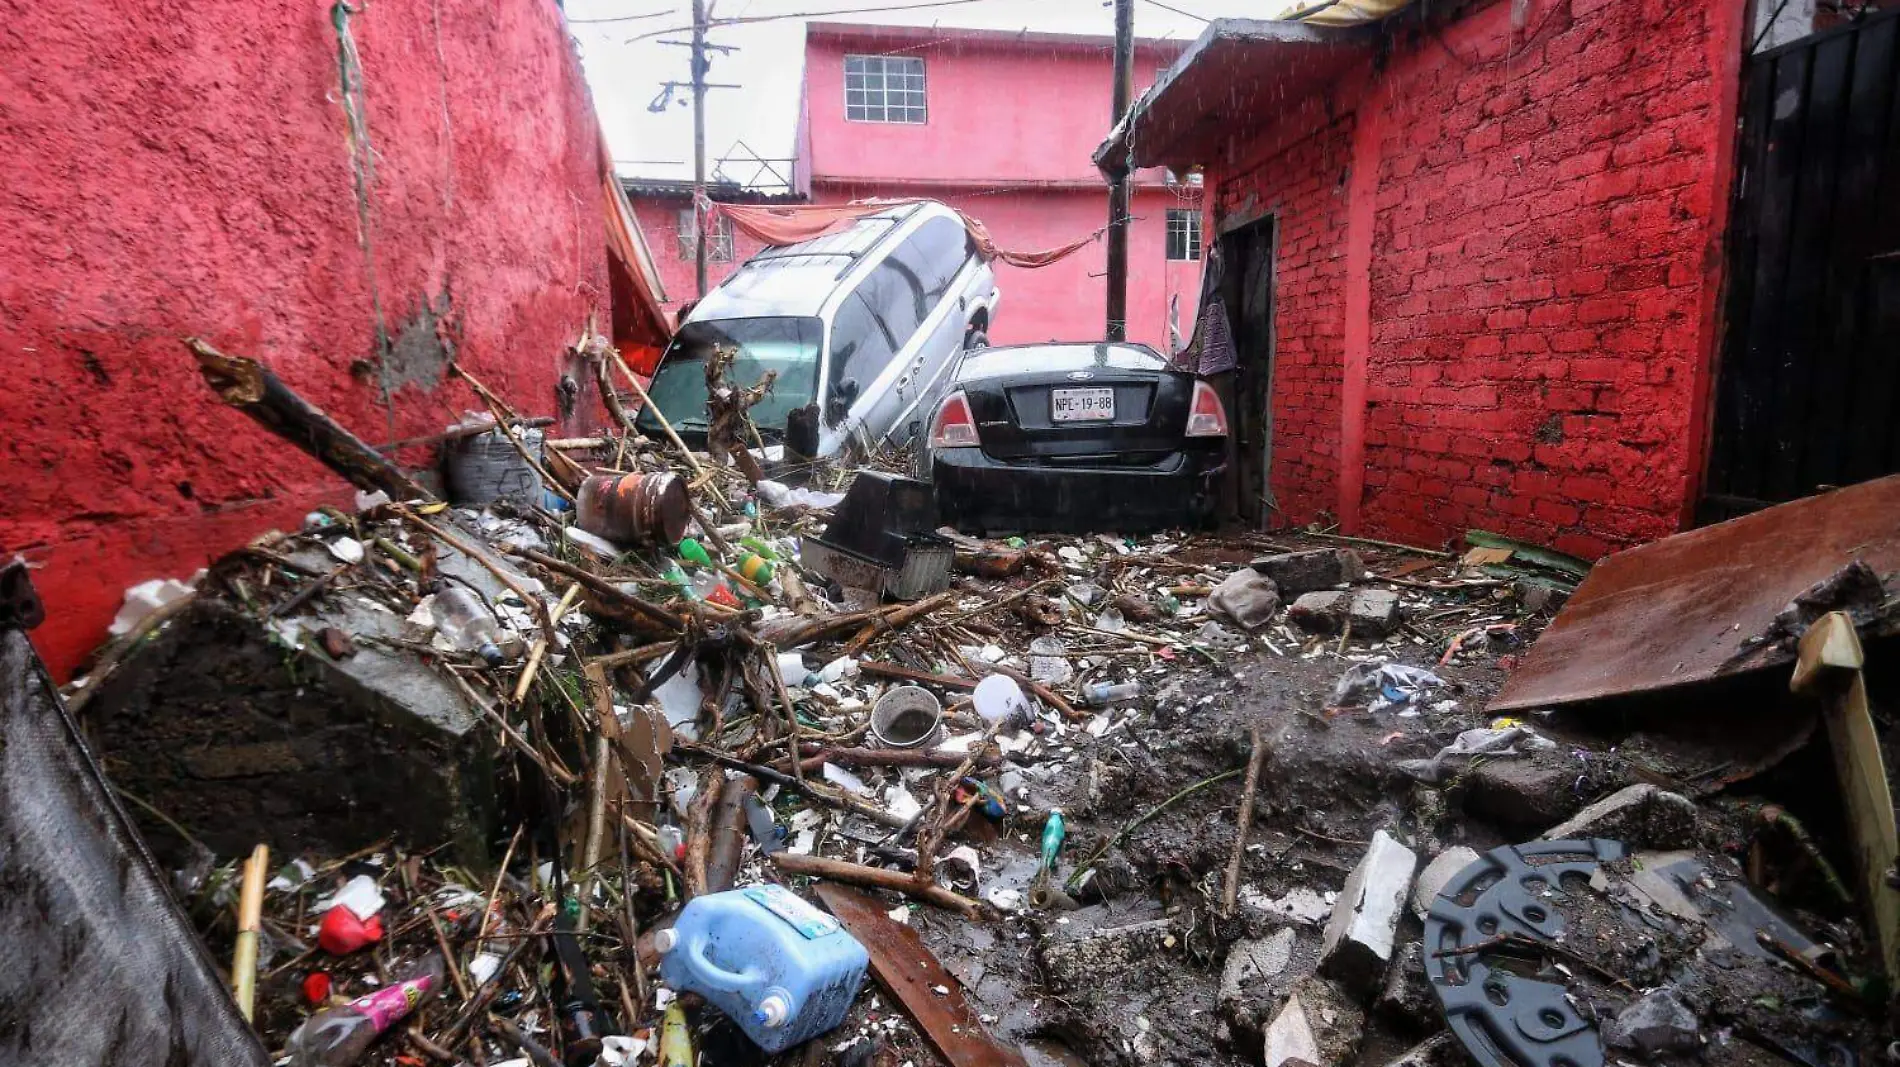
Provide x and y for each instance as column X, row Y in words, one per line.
column 1255, row 959
column 1079, row 961
column 1657, row 1024
column 1297, row 573
column 1438, row 872
column 1359, row 938
column 1321, row 612
column 1373, row 612
column 1642, row 816
column 1259, row 974
column 1407, row 1000
column 221, row 727
column 1319, row 1024
column 1523, row 793
column 1247, row 597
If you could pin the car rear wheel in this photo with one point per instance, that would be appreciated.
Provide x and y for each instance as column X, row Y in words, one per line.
column 975, row 337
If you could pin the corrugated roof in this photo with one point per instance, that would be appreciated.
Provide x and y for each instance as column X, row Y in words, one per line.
column 1238, row 73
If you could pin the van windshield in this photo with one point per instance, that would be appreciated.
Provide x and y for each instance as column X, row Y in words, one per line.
column 789, row 346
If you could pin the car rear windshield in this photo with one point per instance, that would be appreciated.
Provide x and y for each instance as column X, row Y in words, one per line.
column 789, row 346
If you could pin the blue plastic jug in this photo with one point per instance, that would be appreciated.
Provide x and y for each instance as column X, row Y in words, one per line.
column 780, row 968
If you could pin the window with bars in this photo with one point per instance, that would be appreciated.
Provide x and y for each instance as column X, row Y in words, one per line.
column 1184, row 234
column 719, row 250
column 884, row 89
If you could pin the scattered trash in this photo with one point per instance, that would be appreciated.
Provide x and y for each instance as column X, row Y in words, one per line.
column 339, row 1036
column 784, row 971
column 1247, row 598
column 1492, row 742
column 1377, row 686
column 145, row 598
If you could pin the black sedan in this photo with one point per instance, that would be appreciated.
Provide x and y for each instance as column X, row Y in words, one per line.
column 1076, row 438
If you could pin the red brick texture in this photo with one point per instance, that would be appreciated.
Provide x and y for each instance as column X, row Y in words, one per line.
column 1304, row 188
column 1542, row 243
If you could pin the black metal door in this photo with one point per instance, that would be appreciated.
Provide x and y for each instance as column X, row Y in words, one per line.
column 1808, row 387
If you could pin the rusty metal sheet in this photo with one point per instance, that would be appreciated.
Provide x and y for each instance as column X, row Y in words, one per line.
column 912, row 972
column 1683, row 609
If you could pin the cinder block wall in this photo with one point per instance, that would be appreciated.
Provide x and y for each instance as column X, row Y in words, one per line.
column 194, row 169
column 1539, row 209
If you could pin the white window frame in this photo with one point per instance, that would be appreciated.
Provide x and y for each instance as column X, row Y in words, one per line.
column 920, row 109
column 719, row 251
column 1190, row 226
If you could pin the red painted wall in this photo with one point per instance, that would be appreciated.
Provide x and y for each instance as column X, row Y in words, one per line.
column 188, row 169
column 1009, row 141
column 659, row 220
column 1029, row 110
column 1542, row 211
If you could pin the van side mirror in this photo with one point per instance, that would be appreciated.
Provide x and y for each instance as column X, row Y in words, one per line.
column 842, row 396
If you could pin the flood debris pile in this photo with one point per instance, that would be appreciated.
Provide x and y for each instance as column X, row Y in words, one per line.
column 643, row 753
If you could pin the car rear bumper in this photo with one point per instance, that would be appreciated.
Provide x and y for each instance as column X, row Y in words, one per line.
column 979, row 494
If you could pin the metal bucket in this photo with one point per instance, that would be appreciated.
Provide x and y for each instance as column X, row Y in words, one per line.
column 635, row 508
column 908, row 716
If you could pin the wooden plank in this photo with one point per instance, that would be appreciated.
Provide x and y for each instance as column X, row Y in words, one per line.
column 1802, row 349
column 913, row 974
column 1829, row 668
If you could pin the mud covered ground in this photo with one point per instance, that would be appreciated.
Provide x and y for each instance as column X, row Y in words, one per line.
column 1134, row 975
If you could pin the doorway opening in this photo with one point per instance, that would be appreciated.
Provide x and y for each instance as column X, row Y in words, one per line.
column 1247, row 288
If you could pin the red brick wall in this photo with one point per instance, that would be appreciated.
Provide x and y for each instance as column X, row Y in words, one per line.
column 1301, row 186
column 1544, row 246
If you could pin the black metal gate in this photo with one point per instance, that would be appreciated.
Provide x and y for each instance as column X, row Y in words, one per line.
column 1808, row 387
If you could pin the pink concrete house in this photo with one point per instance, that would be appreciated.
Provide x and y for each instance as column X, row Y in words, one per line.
column 1002, row 125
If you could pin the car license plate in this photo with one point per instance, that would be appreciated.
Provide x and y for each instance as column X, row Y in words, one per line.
column 1082, row 405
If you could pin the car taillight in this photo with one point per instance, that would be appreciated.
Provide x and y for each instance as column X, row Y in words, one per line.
column 1206, row 416
column 953, row 427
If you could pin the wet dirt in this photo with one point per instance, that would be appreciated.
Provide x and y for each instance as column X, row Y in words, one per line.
column 1144, row 987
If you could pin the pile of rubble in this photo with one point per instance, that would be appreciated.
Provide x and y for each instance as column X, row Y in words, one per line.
column 1184, row 798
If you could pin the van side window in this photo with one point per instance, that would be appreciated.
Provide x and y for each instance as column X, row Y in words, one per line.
column 895, row 292
column 859, row 347
column 905, row 288
column 937, row 252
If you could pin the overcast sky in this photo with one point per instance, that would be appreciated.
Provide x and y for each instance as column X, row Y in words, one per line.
column 626, row 72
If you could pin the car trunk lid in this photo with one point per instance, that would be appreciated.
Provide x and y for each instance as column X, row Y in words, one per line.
column 1104, row 416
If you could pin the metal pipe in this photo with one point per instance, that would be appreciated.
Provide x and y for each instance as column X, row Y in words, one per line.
column 699, row 145
column 1119, row 178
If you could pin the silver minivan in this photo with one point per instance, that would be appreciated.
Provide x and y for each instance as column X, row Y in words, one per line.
column 864, row 328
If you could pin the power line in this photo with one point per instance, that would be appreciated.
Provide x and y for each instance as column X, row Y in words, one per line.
column 621, row 18
column 1178, row 11
column 755, row 19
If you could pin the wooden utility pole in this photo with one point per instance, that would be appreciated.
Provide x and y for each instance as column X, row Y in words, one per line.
column 1118, row 183
column 699, row 145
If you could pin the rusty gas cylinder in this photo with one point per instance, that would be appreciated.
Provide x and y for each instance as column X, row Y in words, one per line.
column 635, row 508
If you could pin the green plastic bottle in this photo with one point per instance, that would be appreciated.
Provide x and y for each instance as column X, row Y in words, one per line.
column 695, row 553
